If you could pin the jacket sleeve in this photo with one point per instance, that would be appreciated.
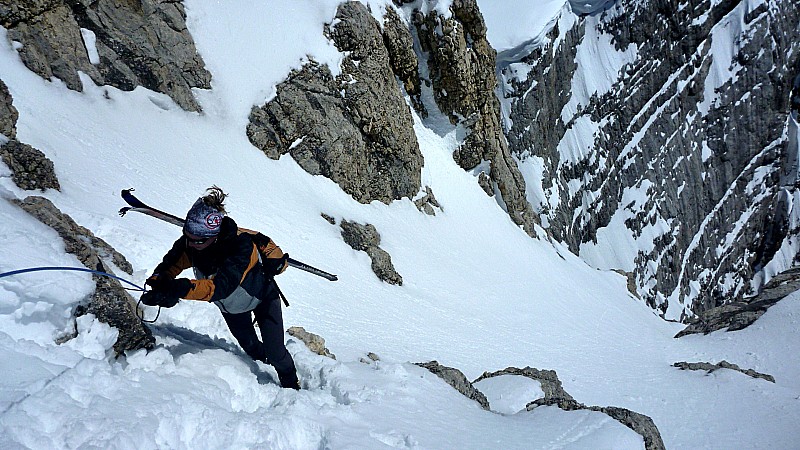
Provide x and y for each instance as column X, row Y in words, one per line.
column 175, row 261
column 272, row 257
column 241, row 258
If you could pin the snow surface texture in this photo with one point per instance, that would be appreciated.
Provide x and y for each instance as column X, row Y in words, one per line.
column 478, row 293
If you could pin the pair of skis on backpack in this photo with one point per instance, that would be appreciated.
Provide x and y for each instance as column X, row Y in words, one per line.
column 140, row 207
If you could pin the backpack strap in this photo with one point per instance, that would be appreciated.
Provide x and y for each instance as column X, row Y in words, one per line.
column 273, row 259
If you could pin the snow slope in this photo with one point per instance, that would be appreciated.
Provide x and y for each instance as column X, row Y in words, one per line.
column 478, row 293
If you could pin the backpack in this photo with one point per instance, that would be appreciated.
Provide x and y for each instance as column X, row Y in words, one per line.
column 273, row 260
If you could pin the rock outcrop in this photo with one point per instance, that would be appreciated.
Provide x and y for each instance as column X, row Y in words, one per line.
column 554, row 394
column 8, row 114
column 461, row 63
column 708, row 367
column 354, row 128
column 30, row 168
column 457, row 380
column 365, row 238
column 110, row 303
column 738, row 315
column 427, row 203
column 402, row 57
column 118, row 43
column 681, row 152
column 314, row 342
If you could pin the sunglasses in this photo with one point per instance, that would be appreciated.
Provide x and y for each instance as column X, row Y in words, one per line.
column 197, row 241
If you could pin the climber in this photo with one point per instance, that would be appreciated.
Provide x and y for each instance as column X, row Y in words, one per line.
column 230, row 273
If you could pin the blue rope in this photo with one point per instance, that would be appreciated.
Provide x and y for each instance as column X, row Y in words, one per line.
column 78, row 269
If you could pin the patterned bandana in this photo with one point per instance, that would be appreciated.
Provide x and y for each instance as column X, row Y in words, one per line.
column 202, row 220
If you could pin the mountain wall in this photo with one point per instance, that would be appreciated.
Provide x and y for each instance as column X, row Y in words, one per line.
column 656, row 139
column 356, row 128
column 652, row 136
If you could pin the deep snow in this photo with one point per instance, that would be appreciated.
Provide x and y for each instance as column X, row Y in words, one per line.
column 478, row 293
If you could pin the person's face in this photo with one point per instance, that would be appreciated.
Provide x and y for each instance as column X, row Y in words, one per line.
column 197, row 242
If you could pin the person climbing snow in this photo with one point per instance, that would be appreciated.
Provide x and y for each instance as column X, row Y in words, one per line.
column 230, row 273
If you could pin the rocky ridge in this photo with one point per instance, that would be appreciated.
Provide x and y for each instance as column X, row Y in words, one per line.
column 354, row 128
column 708, row 367
column 461, row 65
column 738, row 315
column 684, row 153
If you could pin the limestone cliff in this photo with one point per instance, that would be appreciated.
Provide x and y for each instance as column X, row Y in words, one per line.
column 660, row 133
column 121, row 43
column 354, row 128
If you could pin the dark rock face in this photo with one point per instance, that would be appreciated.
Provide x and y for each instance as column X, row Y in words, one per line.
column 8, row 114
column 138, row 43
column 554, row 394
column 30, row 168
column 110, row 303
column 462, row 70
column 355, row 128
column 458, row 380
column 365, row 238
column 400, row 45
column 684, row 153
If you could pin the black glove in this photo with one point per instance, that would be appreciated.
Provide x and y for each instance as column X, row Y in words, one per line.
column 156, row 298
column 177, row 288
column 275, row 266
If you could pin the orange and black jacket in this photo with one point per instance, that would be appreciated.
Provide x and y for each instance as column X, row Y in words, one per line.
column 229, row 272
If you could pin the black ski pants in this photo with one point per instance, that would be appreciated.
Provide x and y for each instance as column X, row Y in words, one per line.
column 273, row 349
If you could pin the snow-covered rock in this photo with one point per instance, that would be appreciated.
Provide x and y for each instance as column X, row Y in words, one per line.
column 655, row 138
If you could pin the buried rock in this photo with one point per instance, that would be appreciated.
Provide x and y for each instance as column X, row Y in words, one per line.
column 314, row 342
column 555, row 395
column 708, row 367
column 457, row 380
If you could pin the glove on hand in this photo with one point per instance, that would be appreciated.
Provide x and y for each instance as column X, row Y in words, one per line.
column 275, row 266
column 177, row 288
column 156, row 298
